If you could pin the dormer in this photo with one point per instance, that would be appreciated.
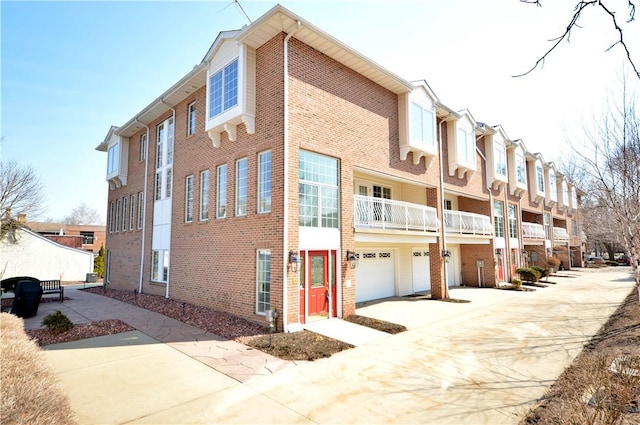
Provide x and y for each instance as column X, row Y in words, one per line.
column 117, row 148
column 551, row 193
column 231, row 88
column 417, row 117
column 461, row 146
column 517, row 167
column 496, row 152
column 563, row 192
column 536, row 177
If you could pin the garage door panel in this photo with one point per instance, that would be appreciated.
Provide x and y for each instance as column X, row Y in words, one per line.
column 375, row 275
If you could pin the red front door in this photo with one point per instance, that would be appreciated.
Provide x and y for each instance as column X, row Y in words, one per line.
column 318, row 283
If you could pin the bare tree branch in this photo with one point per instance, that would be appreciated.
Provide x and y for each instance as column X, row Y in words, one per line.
column 580, row 7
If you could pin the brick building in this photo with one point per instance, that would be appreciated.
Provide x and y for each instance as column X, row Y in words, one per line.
column 287, row 171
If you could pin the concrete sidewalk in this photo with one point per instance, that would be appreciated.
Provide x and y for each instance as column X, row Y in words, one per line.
column 482, row 362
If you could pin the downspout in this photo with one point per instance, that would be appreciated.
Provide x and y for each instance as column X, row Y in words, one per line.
column 166, row 293
column 285, row 235
column 144, row 207
column 484, row 158
column 443, row 229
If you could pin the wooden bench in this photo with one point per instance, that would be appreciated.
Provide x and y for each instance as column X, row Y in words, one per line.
column 52, row 287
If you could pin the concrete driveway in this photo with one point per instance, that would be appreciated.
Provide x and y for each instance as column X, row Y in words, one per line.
column 482, row 362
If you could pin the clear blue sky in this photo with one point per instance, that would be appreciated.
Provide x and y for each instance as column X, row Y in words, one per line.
column 70, row 70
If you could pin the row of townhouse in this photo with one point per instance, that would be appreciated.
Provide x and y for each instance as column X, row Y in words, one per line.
column 288, row 172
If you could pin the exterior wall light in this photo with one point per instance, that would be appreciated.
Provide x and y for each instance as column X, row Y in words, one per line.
column 446, row 255
column 294, row 260
column 352, row 259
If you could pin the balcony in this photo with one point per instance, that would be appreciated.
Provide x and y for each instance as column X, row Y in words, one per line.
column 466, row 223
column 378, row 213
column 560, row 234
column 533, row 231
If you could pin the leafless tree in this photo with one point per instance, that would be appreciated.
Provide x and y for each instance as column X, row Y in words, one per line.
column 605, row 8
column 610, row 159
column 83, row 214
column 21, row 190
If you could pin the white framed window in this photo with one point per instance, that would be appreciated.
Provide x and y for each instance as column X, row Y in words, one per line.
column 191, row 119
column 241, row 186
column 553, row 188
column 223, row 89
column 540, row 178
column 221, row 192
column 204, row 195
column 140, row 209
column 547, row 225
column 521, row 167
column 498, row 218
column 142, row 155
column 164, row 160
column 499, row 157
column 466, row 146
column 111, row 215
column 513, row 221
column 160, row 265
column 318, row 190
column 125, row 213
column 264, row 182
column 263, row 280
column 118, row 201
column 132, row 210
column 423, row 123
column 188, row 203
column 113, row 154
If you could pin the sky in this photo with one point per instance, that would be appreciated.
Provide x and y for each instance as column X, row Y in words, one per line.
column 70, row 70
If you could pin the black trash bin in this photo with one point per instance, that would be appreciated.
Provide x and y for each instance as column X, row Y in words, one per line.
column 28, row 294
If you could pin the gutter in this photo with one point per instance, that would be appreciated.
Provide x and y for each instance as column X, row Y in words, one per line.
column 285, row 236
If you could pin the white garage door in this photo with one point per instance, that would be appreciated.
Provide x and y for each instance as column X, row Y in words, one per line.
column 375, row 277
column 421, row 270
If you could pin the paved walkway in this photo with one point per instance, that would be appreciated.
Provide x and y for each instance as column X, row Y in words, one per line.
column 482, row 362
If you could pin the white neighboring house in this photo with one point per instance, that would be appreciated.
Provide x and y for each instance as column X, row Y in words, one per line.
column 34, row 255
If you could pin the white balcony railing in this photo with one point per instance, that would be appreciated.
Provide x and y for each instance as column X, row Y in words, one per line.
column 378, row 213
column 560, row 234
column 467, row 223
column 533, row 231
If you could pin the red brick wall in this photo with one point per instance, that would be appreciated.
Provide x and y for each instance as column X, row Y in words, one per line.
column 469, row 255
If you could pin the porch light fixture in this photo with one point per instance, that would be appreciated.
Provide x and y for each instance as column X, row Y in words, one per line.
column 446, row 255
column 352, row 259
column 294, row 260
column 498, row 253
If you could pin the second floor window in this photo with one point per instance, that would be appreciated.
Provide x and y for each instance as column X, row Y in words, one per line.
column 241, row 186
column 132, row 211
column 140, row 209
column 204, row 195
column 164, row 160
column 422, row 125
column 547, row 226
column 223, row 89
column 221, row 198
column 188, row 204
column 318, row 190
column 264, row 182
column 125, row 212
column 191, row 119
column 498, row 218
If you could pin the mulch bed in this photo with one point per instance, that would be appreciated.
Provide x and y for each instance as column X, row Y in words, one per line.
column 380, row 325
column 303, row 345
column 89, row 330
column 8, row 302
